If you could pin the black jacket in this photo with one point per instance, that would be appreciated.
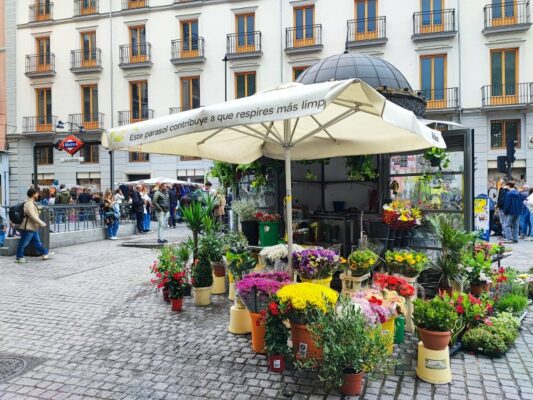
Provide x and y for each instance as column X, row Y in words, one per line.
column 173, row 194
column 501, row 197
column 84, row 198
column 137, row 202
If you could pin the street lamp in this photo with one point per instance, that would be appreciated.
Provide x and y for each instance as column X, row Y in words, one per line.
column 225, row 59
column 61, row 125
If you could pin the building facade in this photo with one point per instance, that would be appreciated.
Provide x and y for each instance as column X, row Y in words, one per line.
column 85, row 64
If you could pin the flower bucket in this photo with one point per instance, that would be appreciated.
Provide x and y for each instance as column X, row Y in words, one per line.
column 177, row 304
column 239, row 321
column 399, row 329
column 387, row 330
column 258, row 332
column 202, row 296
column 219, row 285
column 303, row 344
column 250, row 229
column 276, row 363
column 326, row 282
column 219, row 270
column 268, row 233
column 352, row 384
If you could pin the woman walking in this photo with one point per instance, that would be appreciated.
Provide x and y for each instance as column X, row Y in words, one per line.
column 147, row 209
column 111, row 215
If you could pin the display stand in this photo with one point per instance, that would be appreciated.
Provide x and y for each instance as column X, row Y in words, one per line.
column 353, row 284
column 433, row 365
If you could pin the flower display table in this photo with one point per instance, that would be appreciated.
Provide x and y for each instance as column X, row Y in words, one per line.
column 352, row 284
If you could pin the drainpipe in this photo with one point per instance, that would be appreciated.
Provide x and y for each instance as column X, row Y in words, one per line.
column 111, row 153
column 459, row 58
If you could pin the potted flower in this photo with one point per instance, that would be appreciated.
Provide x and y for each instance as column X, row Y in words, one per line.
column 304, row 300
column 277, row 335
column 170, row 258
column 476, row 270
column 360, row 262
column 277, row 257
column 176, row 285
column 268, row 228
column 435, row 320
column 317, row 266
column 437, row 157
column 160, row 279
column 202, row 281
column 246, row 211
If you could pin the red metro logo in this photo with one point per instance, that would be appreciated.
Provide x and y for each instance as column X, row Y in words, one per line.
column 71, row 144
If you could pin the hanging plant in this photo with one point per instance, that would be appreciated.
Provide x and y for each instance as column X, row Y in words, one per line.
column 360, row 168
column 437, row 157
column 309, row 175
column 226, row 173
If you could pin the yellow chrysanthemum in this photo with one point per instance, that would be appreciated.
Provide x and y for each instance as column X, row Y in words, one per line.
column 303, row 296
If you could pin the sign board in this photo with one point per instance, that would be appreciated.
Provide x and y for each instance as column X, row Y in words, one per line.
column 72, row 160
column 71, row 144
column 481, row 217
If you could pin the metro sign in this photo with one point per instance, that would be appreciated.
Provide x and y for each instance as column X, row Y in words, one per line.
column 71, row 144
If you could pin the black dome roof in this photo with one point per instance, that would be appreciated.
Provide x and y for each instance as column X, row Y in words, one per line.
column 374, row 71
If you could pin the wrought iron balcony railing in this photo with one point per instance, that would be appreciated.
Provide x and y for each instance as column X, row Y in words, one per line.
column 40, row 64
column 130, row 117
column 248, row 42
column 89, row 121
column 175, row 110
column 41, row 11
column 133, row 4
column 187, row 48
column 303, row 36
column 441, row 99
column 85, row 7
column 508, row 94
column 86, row 59
column 367, row 29
column 135, row 54
column 434, row 22
column 506, row 14
column 39, row 123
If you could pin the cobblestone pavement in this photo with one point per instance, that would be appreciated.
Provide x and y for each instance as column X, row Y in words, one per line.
column 521, row 257
column 89, row 325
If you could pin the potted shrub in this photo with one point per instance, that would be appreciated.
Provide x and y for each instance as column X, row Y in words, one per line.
column 176, row 285
column 211, row 247
column 198, row 217
column 360, row 262
column 513, row 303
column 268, row 228
column 170, row 258
column 437, row 157
column 250, row 227
column 316, row 266
column 277, row 335
column 202, row 281
column 476, row 270
column 435, row 320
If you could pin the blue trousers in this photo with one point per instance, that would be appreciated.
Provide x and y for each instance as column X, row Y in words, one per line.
column 2, row 237
column 173, row 218
column 525, row 222
column 146, row 221
column 112, row 229
column 28, row 237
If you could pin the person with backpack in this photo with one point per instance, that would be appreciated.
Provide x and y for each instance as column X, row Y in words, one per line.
column 512, row 207
column 29, row 227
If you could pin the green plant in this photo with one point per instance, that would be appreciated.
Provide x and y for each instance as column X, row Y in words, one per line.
column 360, row 168
column 196, row 217
column 435, row 315
column 245, row 209
column 483, row 340
column 361, row 261
column 202, row 274
column 211, row 247
column 476, row 269
column 226, row 173
column 276, row 332
column 507, row 326
column 234, row 242
column 511, row 302
column 239, row 263
column 436, row 155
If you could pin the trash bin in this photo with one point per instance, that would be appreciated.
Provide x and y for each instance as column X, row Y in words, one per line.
column 44, row 233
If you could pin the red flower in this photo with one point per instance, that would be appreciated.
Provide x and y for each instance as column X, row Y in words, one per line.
column 487, row 322
column 460, row 309
column 273, row 308
column 460, row 300
column 407, row 290
column 473, row 299
column 374, row 300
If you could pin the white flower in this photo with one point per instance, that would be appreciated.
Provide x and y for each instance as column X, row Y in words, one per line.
column 277, row 252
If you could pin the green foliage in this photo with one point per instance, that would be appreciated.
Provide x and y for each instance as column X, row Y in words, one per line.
column 507, row 326
column 226, row 173
column 438, row 155
column 202, row 274
column 436, row 315
column 276, row 332
column 476, row 269
column 234, row 242
column 482, row 340
column 513, row 303
column 211, row 247
column 197, row 217
column 245, row 209
column 360, row 168
column 239, row 263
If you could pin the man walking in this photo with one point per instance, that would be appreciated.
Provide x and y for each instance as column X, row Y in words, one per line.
column 29, row 229
column 162, row 206
column 512, row 207
column 137, row 204
column 173, row 196
column 62, row 199
column 499, row 202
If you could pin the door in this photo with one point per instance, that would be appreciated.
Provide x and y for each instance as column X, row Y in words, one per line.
column 43, row 54
column 89, row 99
column 44, row 110
column 504, row 76
column 42, row 10
column 88, row 46
column 190, row 92
column 88, row 7
column 432, row 18
column 244, row 84
column 245, row 33
column 138, row 44
column 138, row 101
column 304, row 20
column 366, row 19
column 503, row 12
column 189, row 36
column 433, row 80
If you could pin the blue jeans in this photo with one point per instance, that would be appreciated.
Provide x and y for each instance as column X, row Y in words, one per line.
column 512, row 228
column 112, row 229
column 28, row 237
column 146, row 222
column 525, row 222
column 531, row 223
column 173, row 214
column 2, row 237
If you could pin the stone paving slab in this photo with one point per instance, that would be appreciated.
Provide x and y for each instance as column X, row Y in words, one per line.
column 102, row 332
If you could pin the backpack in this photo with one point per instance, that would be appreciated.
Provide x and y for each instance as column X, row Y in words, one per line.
column 16, row 213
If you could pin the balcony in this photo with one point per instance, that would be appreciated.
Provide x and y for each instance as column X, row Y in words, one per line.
column 304, row 39
column 137, row 56
column 437, row 100
column 175, row 110
column 433, row 25
column 243, row 45
column 40, row 65
column 134, row 4
column 507, row 96
column 91, row 122
column 40, row 124
column 41, row 12
column 128, row 117
column 366, row 32
column 512, row 17
column 187, row 51
column 85, row 7
column 82, row 61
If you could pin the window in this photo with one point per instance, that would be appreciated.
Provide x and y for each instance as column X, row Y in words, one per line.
column 502, row 130
column 87, row 7
column 137, row 156
column 504, row 12
column 138, row 101
column 365, row 18
column 433, row 80
column 245, row 32
column 190, row 92
column 504, row 73
column 90, row 180
column 43, row 54
column 89, row 105
column 136, row 3
column 45, row 155
column 244, row 84
column 432, row 15
column 88, row 47
column 297, row 71
column 189, row 36
column 304, row 20
column 90, row 153
column 138, row 43
column 44, row 109
column 42, row 10
column 189, row 158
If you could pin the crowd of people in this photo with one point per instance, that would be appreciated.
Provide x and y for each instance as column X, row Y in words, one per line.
column 512, row 215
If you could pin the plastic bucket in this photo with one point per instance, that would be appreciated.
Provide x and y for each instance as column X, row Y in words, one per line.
column 268, row 233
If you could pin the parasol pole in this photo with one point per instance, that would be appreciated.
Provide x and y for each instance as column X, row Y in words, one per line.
column 288, row 189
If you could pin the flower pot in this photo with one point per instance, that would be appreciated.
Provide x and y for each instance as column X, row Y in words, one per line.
column 303, row 344
column 177, row 304
column 239, row 321
column 268, row 233
column 218, row 269
column 390, row 244
column 387, row 330
column 352, row 384
column 399, row 329
column 219, row 285
column 258, row 332
column 476, row 290
column 250, row 229
column 166, row 293
column 276, row 363
column 405, row 239
column 202, row 296
column 231, row 292
column 326, row 282
column 187, row 290
column 434, row 340
column 448, row 290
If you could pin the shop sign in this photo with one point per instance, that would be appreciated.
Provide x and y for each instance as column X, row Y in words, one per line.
column 72, row 160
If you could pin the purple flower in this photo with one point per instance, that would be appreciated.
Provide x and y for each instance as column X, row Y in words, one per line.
column 255, row 291
column 275, row 276
column 315, row 264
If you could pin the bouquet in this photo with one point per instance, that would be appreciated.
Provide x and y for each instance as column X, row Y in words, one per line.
column 266, row 217
column 401, row 216
column 315, row 264
column 303, row 300
column 371, row 305
column 393, row 283
column 361, row 261
column 255, row 290
column 273, row 255
column 405, row 262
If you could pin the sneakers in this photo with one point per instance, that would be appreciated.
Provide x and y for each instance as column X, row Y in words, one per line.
column 529, row 239
column 160, row 241
column 113, row 238
column 48, row 256
column 21, row 261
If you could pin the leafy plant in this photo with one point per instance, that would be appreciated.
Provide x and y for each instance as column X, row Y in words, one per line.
column 226, row 173
column 177, row 283
column 245, row 209
column 202, row 274
column 435, row 315
column 234, row 242
column 476, row 269
column 483, row 340
column 196, row 217
column 436, row 155
column 513, row 303
column 211, row 247
column 276, row 332
column 239, row 263
column 360, row 168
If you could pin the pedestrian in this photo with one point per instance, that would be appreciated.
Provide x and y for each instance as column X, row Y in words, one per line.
column 52, row 198
column 29, row 229
column 84, row 198
column 111, row 215
column 44, row 197
column 173, row 195
column 499, row 202
column 220, row 206
column 4, row 223
column 525, row 226
column 512, row 208
column 119, row 197
column 529, row 204
column 137, row 204
column 62, row 199
column 161, row 204
column 147, row 210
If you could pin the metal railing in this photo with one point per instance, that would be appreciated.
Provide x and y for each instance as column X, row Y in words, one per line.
column 434, row 22
column 39, row 123
column 248, row 42
column 175, row 110
column 508, row 94
column 303, row 36
column 40, row 63
column 89, row 121
column 191, row 48
column 440, row 99
column 129, row 117
column 367, row 29
column 86, row 58
column 133, row 4
column 41, row 11
column 135, row 54
column 506, row 14
column 85, row 7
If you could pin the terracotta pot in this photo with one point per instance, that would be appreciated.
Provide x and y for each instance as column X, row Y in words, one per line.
column 258, row 332
column 177, row 304
column 434, row 340
column 276, row 363
column 476, row 290
column 166, row 294
column 352, row 384
column 303, row 344
column 219, row 269
column 448, row 290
